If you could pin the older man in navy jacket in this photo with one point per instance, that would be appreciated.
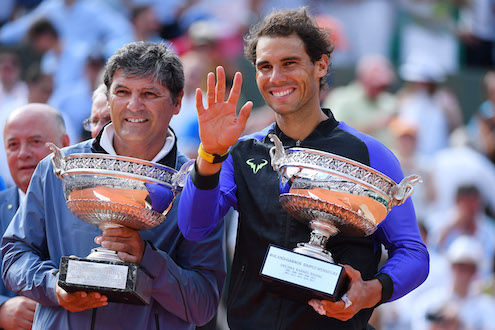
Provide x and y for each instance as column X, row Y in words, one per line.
column 26, row 131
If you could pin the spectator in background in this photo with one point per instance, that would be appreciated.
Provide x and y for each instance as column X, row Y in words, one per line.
column 82, row 24
column 76, row 100
column 13, row 90
column 488, row 285
column 396, row 315
column 476, row 30
column 481, row 127
column 40, row 85
column 456, row 166
column 69, row 67
column 467, row 218
column 13, row 93
column 420, row 103
column 427, row 29
column 7, row 10
column 145, row 24
column 100, row 112
column 26, row 131
column 366, row 103
column 405, row 138
column 458, row 303
column 367, row 31
column 185, row 124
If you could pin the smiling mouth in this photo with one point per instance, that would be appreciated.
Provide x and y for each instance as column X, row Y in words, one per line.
column 136, row 120
column 283, row 93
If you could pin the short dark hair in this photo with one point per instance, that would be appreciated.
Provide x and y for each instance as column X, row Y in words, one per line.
column 137, row 10
column 143, row 59
column 467, row 190
column 286, row 22
column 41, row 27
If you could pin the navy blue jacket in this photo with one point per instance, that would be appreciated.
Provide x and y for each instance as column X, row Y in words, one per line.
column 9, row 203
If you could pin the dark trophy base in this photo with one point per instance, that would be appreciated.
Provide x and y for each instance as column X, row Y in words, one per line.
column 302, row 278
column 121, row 282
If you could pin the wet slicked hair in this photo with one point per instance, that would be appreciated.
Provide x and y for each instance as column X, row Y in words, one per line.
column 143, row 59
column 286, row 22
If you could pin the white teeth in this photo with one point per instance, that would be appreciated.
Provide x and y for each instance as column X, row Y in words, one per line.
column 283, row 93
column 135, row 120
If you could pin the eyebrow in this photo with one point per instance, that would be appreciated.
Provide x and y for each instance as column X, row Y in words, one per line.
column 12, row 138
column 285, row 59
column 152, row 88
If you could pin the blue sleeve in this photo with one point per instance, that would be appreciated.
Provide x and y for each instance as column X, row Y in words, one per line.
column 205, row 200
column 26, row 269
column 408, row 263
column 13, row 32
column 2, row 184
column 191, row 291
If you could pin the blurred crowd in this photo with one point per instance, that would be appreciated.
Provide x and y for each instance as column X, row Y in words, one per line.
column 401, row 52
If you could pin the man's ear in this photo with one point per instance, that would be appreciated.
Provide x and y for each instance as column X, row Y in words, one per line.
column 65, row 141
column 322, row 65
column 178, row 103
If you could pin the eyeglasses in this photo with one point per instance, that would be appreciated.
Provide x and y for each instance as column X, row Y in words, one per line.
column 91, row 122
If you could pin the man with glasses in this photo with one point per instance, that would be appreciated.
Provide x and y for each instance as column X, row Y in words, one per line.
column 100, row 112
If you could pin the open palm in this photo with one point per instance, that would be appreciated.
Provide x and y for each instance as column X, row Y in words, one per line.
column 219, row 125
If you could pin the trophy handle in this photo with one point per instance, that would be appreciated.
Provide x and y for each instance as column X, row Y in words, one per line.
column 58, row 160
column 179, row 178
column 401, row 192
column 277, row 152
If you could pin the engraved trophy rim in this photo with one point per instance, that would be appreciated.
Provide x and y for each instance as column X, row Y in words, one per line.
column 121, row 170
column 363, row 177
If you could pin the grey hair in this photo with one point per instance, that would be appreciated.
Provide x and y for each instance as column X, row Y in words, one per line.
column 143, row 59
column 101, row 89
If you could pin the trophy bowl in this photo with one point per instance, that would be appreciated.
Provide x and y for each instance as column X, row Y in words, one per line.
column 334, row 194
column 106, row 190
column 114, row 191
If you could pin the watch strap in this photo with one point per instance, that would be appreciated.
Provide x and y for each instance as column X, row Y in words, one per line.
column 211, row 158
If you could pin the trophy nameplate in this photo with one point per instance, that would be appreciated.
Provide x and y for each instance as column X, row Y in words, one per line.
column 307, row 277
column 120, row 281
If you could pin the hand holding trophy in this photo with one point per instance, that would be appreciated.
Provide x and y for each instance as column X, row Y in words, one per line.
column 331, row 194
column 112, row 192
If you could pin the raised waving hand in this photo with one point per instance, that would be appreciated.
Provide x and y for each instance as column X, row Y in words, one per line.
column 219, row 125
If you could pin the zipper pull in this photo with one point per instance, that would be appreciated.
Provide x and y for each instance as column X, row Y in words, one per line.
column 298, row 143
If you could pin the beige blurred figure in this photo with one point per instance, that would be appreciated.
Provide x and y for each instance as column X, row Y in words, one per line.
column 100, row 112
column 367, row 103
column 26, row 131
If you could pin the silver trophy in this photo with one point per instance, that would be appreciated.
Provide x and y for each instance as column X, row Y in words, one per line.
column 331, row 194
column 114, row 191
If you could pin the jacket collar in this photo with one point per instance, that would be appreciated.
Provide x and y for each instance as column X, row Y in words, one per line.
column 169, row 160
column 321, row 130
